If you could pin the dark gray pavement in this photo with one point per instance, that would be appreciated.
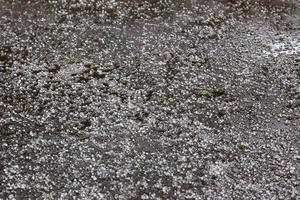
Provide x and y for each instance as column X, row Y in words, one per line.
column 150, row 99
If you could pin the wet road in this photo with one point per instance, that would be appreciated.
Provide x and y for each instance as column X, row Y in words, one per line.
column 150, row 99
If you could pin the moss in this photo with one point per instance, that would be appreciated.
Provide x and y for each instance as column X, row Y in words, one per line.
column 92, row 56
column 216, row 15
column 263, row 45
column 242, row 147
column 5, row 131
column 163, row 100
column 203, row 92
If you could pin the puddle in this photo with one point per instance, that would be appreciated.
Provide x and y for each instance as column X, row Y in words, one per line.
column 289, row 47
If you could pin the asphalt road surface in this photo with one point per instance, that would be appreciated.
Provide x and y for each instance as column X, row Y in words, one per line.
column 153, row 99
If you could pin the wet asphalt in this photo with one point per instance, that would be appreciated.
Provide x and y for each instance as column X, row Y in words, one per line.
column 153, row 99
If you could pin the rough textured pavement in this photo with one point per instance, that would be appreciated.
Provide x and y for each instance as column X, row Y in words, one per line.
column 156, row 99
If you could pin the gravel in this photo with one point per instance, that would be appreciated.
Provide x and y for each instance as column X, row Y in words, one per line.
column 153, row 99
